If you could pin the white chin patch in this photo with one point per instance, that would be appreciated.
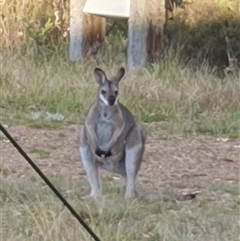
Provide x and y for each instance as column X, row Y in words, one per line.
column 116, row 101
column 104, row 100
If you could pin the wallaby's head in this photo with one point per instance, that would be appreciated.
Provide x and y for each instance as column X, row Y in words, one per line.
column 108, row 89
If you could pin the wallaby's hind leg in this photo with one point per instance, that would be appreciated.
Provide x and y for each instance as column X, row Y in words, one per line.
column 90, row 166
column 135, row 145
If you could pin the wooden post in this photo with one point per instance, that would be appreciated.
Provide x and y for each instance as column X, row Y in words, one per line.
column 156, row 20
column 137, row 34
column 76, row 29
column 145, row 32
column 94, row 33
column 87, row 32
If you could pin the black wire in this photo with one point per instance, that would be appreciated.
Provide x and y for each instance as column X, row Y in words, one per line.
column 35, row 167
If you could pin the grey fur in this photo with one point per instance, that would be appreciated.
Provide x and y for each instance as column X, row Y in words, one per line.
column 111, row 138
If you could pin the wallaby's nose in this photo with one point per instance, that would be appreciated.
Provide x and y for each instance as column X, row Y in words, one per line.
column 111, row 100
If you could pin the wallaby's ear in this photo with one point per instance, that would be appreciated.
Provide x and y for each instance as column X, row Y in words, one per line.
column 99, row 76
column 120, row 74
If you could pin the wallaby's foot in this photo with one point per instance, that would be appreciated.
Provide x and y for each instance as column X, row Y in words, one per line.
column 93, row 196
column 96, row 200
column 129, row 200
column 130, row 197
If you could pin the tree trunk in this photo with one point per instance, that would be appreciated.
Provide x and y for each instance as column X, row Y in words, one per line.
column 87, row 32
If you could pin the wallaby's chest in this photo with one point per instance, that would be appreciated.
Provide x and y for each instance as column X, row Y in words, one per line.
column 104, row 129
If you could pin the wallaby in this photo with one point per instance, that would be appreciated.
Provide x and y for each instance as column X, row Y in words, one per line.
column 111, row 138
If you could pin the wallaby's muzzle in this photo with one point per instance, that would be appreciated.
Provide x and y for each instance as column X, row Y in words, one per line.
column 111, row 100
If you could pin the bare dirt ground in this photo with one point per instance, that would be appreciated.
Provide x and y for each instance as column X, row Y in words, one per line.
column 185, row 163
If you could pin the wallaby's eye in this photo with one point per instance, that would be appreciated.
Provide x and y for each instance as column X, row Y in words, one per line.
column 116, row 92
column 103, row 92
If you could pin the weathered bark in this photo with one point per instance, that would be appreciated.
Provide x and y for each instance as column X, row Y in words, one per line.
column 145, row 32
column 87, row 32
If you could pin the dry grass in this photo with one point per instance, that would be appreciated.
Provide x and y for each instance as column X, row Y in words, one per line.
column 24, row 21
column 31, row 212
column 172, row 94
column 200, row 12
column 169, row 98
column 200, row 30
